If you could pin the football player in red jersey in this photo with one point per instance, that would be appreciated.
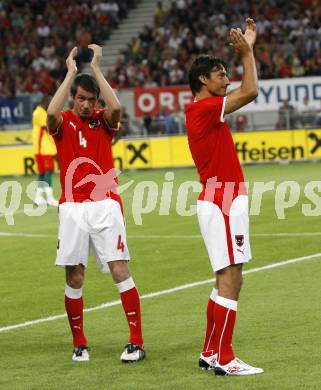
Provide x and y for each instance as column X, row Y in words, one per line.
column 222, row 207
column 90, row 209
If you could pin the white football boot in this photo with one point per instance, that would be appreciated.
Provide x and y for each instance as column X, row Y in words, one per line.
column 39, row 199
column 81, row 354
column 207, row 363
column 51, row 201
column 132, row 353
column 236, row 368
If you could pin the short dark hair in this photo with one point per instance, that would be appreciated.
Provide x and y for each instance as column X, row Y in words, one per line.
column 87, row 82
column 203, row 66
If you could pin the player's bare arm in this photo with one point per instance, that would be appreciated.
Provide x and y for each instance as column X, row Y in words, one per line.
column 112, row 115
column 57, row 103
column 243, row 44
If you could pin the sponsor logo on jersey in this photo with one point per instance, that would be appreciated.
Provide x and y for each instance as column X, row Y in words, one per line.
column 73, row 125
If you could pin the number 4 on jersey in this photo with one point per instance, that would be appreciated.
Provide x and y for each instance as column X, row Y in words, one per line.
column 82, row 140
column 120, row 244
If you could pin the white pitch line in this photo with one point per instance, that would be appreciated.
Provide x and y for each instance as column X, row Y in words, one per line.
column 162, row 292
column 29, row 235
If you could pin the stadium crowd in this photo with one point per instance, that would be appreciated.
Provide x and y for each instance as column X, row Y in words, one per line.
column 288, row 45
column 36, row 35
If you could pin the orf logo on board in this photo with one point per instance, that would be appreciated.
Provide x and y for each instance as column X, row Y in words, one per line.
column 239, row 239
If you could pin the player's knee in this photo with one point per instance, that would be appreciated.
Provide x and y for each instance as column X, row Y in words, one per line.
column 75, row 277
column 119, row 270
column 229, row 286
column 76, row 281
column 230, row 283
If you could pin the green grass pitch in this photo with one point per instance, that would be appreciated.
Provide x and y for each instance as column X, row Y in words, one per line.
column 278, row 318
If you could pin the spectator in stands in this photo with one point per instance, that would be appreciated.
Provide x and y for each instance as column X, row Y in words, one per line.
column 34, row 35
column 43, row 30
column 179, row 118
column 307, row 113
column 165, row 122
column 158, row 123
column 176, row 37
column 147, row 123
column 160, row 12
column 317, row 120
column 287, row 116
column 240, row 122
column 40, row 33
column 37, row 96
column 125, row 121
column 112, row 9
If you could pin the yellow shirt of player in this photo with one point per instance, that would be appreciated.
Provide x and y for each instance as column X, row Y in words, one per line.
column 43, row 143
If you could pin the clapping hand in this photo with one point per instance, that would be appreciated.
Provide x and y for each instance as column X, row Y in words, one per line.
column 243, row 43
column 71, row 62
column 96, row 60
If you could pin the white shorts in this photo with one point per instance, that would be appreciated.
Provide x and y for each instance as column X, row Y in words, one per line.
column 98, row 226
column 226, row 236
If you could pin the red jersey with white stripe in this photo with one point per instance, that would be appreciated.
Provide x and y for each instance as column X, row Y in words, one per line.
column 85, row 156
column 211, row 144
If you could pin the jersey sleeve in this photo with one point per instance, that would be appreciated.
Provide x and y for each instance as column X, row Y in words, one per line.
column 58, row 131
column 213, row 109
column 105, row 121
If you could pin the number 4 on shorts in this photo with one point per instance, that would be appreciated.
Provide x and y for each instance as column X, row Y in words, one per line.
column 120, row 244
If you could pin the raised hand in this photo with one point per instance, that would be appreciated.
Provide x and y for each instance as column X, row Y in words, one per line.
column 98, row 52
column 70, row 61
column 243, row 43
column 250, row 32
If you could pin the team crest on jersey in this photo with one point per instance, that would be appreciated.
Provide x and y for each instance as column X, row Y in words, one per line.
column 94, row 123
column 239, row 239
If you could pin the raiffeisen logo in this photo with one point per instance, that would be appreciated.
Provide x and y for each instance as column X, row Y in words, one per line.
column 268, row 153
column 317, row 142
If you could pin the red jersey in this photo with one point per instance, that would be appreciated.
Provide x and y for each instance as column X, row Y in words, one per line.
column 211, row 143
column 85, row 156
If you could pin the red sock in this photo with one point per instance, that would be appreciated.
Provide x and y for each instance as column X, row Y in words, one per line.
column 208, row 347
column 131, row 304
column 74, row 309
column 225, row 315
